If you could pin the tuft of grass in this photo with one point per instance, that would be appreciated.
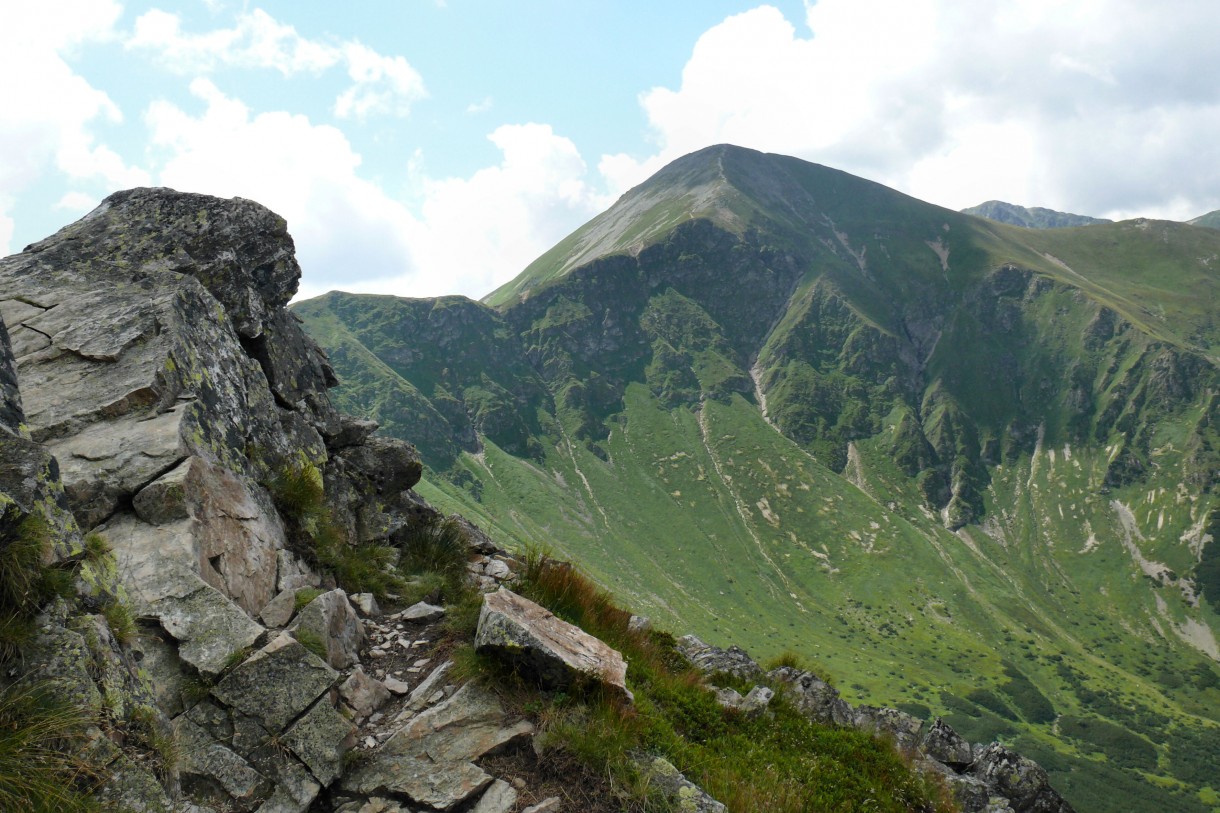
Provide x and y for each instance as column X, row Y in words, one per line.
column 311, row 641
column 121, row 621
column 786, row 659
column 149, row 732
column 304, row 596
column 436, row 545
column 41, row 769
column 97, row 547
column 26, row 581
column 298, row 493
column 367, row 568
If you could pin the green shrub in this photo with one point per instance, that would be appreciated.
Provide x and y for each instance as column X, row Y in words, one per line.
column 435, row 545
column 41, row 769
column 120, row 620
column 298, row 492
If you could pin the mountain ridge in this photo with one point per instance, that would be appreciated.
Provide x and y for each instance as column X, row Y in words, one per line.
column 848, row 393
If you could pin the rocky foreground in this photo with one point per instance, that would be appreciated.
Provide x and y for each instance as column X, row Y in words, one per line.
column 155, row 397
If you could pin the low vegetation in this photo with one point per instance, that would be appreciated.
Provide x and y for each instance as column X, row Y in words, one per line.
column 41, row 766
column 777, row 762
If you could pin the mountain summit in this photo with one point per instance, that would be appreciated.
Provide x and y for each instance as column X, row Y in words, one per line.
column 923, row 448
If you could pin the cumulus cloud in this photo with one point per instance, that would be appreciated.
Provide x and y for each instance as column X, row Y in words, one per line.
column 380, row 84
column 383, row 84
column 49, row 109
column 486, row 228
column 347, row 230
column 1093, row 107
column 469, row 235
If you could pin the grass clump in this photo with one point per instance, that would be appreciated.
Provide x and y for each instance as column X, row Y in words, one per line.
column 299, row 495
column 781, row 762
column 41, row 769
column 311, row 641
column 303, row 596
column 121, row 620
column 27, row 581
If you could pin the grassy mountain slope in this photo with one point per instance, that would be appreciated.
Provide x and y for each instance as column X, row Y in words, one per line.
column 965, row 467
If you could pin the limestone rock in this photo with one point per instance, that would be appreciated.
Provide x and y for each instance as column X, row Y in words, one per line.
column 500, row 797
column 320, row 738
column 12, row 417
column 212, row 770
column 422, row 613
column 276, row 683
column 556, row 652
column 279, row 610
column 132, row 789
column 710, row 659
column 943, row 744
column 549, row 805
column 331, row 618
column 752, row 705
column 903, row 728
column 814, row 697
column 429, row 760
column 362, row 693
column 1018, row 779
column 685, row 795
column 107, row 462
column 366, row 604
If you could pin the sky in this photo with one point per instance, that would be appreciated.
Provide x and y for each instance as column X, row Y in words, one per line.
column 429, row 147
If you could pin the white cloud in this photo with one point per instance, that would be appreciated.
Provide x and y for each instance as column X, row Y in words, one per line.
column 481, row 106
column 255, row 41
column 470, row 234
column 1088, row 107
column 347, row 230
column 78, row 202
column 381, row 84
column 486, row 228
column 49, row 109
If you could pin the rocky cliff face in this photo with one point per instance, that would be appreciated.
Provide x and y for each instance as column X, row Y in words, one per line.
column 158, row 405
column 165, row 390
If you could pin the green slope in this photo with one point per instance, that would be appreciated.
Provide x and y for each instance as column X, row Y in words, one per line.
column 967, row 467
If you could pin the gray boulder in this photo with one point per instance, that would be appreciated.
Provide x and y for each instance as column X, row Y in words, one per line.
column 684, row 795
column 814, row 697
column 557, row 653
column 320, row 738
column 430, row 759
column 710, row 659
column 331, row 618
column 1019, row 779
column 945, row 745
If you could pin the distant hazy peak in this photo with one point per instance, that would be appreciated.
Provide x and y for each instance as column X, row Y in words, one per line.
column 1211, row 220
column 1030, row 217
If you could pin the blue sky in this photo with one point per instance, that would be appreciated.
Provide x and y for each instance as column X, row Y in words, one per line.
column 420, row 147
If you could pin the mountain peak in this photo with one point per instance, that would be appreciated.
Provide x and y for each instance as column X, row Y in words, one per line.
column 1030, row 217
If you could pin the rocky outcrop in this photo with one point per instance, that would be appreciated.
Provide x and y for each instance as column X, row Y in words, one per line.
column 165, row 390
column 983, row 778
column 557, row 654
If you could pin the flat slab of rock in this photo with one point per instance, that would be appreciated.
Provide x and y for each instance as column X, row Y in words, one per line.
column 276, row 683
column 430, row 760
column 320, row 738
column 422, row 613
column 559, row 654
